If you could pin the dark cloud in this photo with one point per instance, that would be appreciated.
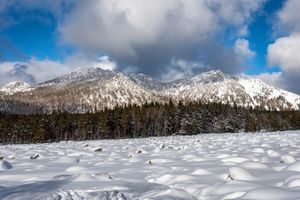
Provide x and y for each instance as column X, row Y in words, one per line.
column 20, row 71
column 156, row 60
column 220, row 57
column 148, row 36
column 291, row 81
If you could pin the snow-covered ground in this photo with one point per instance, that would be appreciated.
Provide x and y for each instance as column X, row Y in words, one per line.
column 211, row 166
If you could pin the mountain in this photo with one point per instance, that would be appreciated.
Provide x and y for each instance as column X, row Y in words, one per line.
column 85, row 90
column 93, row 89
column 147, row 82
column 86, row 74
column 215, row 86
column 15, row 87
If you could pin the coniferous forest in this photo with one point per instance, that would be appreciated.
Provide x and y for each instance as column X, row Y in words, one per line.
column 151, row 119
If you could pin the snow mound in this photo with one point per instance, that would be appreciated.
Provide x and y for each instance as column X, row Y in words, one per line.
column 271, row 194
column 238, row 173
column 294, row 183
column 4, row 165
column 254, row 165
column 201, row 172
column 75, row 169
column 294, row 167
column 172, row 194
column 289, row 159
column 84, row 177
column 236, row 159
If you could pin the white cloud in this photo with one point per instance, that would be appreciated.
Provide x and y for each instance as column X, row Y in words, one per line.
column 181, row 69
column 149, row 34
column 120, row 27
column 36, row 71
column 235, row 12
column 289, row 15
column 281, row 80
column 32, row 71
column 104, row 63
column 241, row 47
column 285, row 52
column 274, row 79
column 80, row 60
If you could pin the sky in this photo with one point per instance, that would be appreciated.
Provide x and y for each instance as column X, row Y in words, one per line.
column 168, row 40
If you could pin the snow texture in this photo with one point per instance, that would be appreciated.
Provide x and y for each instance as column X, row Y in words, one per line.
column 210, row 167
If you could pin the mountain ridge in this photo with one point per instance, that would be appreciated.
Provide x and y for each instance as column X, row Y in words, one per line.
column 94, row 89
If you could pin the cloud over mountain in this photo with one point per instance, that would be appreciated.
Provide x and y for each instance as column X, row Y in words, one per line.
column 150, row 35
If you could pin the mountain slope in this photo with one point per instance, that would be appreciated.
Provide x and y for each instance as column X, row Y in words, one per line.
column 86, row 90
column 93, row 89
column 15, row 87
column 86, row 74
column 215, row 86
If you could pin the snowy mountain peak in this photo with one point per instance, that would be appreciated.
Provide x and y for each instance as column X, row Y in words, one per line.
column 80, row 75
column 15, row 87
column 211, row 76
column 146, row 81
column 213, row 72
column 202, row 78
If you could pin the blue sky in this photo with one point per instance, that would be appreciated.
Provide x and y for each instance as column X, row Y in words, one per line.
column 260, row 36
column 32, row 33
column 201, row 35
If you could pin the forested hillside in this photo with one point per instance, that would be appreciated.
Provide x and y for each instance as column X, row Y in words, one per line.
column 151, row 119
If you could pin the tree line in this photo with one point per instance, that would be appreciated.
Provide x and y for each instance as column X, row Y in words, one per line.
column 151, row 119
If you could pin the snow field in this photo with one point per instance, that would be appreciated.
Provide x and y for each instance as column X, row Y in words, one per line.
column 211, row 166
